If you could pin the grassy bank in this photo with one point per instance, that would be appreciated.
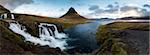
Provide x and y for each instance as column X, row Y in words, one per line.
column 110, row 37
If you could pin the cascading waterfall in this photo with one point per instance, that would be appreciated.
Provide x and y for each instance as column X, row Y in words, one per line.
column 5, row 15
column 47, row 35
column 12, row 16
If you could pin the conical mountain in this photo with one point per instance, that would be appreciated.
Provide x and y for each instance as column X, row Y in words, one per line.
column 72, row 14
column 3, row 10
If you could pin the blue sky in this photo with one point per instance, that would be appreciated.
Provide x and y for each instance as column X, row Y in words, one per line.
column 87, row 8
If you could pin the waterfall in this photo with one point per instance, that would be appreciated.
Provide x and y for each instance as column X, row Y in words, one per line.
column 47, row 36
column 2, row 16
column 12, row 16
column 5, row 15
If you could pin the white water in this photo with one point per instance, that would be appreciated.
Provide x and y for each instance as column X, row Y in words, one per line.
column 5, row 15
column 56, row 40
column 12, row 16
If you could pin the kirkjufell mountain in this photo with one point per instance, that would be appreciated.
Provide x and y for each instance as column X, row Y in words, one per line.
column 72, row 14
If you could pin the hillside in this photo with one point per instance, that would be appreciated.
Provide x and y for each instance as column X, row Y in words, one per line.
column 124, row 38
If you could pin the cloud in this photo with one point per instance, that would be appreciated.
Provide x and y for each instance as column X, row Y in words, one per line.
column 62, row 9
column 35, row 9
column 113, row 12
column 127, row 8
column 12, row 4
column 110, row 6
column 144, row 12
column 94, row 7
column 146, row 5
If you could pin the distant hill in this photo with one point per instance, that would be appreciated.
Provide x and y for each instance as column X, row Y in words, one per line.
column 135, row 18
column 72, row 14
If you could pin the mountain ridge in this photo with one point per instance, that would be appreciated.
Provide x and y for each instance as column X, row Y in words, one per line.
column 72, row 14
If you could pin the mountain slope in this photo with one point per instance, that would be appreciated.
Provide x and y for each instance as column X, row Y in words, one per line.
column 72, row 14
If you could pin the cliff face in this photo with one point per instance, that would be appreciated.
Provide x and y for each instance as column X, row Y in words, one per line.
column 72, row 14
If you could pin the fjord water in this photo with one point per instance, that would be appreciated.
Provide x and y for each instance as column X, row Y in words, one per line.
column 83, row 36
column 49, row 35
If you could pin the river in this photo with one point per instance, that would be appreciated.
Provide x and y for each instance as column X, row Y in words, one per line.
column 83, row 36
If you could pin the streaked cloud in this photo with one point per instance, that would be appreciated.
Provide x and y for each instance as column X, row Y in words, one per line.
column 146, row 5
column 12, row 4
column 88, row 8
column 114, row 12
column 35, row 9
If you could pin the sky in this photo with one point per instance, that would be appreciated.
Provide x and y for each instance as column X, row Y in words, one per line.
column 86, row 8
